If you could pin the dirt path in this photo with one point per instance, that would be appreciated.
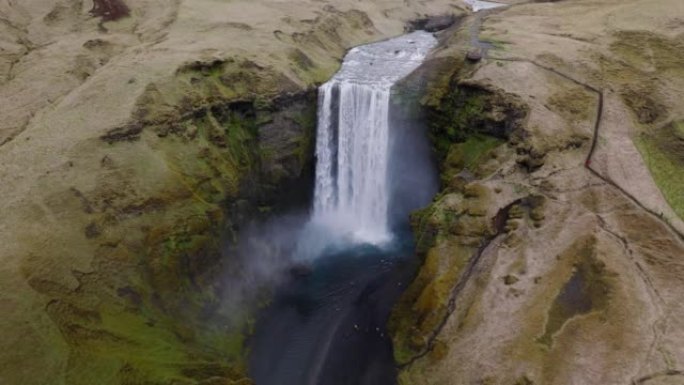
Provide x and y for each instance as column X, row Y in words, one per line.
column 485, row 46
column 597, row 124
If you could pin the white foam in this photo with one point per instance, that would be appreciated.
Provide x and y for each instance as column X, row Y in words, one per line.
column 352, row 146
column 478, row 5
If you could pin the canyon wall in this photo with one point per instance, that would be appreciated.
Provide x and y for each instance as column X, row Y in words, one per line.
column 553, row 253
column 138, row 139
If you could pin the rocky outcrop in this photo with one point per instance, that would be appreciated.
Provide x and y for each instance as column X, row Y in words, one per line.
column 543, row 261
column 137, row 140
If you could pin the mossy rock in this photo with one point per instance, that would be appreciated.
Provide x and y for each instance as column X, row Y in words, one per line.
column 510, row 280
column 424, row 304
column 469, row 109
column 230, row 136
column 475, row 190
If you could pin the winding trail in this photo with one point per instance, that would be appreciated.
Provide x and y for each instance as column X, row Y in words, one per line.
column 485, row 46
column 597, row 127
column 664, row 373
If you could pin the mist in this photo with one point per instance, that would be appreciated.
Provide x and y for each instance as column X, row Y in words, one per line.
column 412, row 171
column 263, row 258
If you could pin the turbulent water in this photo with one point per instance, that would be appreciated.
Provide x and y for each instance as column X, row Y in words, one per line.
column 478, row 5
column 352, row 193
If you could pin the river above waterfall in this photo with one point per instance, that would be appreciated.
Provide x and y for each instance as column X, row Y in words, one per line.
column 479, row 5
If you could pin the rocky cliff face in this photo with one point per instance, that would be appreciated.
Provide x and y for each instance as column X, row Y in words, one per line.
column 551, row 255
column 137, row 138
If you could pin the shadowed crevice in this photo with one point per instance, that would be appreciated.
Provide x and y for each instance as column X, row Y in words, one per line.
column 110, row 10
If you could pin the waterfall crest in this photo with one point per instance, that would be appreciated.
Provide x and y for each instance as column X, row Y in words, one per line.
column 352, row 194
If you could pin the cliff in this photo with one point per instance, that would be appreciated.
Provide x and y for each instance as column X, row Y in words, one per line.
column 553, row 254
column 137, row 140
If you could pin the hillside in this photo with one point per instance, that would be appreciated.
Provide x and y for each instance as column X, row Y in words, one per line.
column 138, row 138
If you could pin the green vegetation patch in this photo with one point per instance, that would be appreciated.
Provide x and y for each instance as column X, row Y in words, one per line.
column 456, row 118
column 678, row 129
column 646, row 50
column 467, row 123
column 663, row 152
column 574, row 104
column 449, row 233
column 470, row 155
column 425, row 303
column 474, row 119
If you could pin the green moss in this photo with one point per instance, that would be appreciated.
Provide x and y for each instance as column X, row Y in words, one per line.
column 439, row 351
column 306, row 119
column 151, row 311
column 663, row 152
column 424, row 229
column 152, row 348
column 455, row 119
column 467, row 121
column 679, row 129
column 142, row 345
column 424, row 305
column 166, row 334
column 469, row 155
column 498, row 44
column 475, row 149
column 574, row 104
column 240, row 134
column 644, row 49
column 449, row 231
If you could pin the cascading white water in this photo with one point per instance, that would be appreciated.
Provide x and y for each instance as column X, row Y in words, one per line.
column 352, row 191
column 479, row 5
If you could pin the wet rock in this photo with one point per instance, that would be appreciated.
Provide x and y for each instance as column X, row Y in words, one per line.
column 110, row 10
column 432, row 23
column 439, row 23
column 475, row 55
column 301, row 270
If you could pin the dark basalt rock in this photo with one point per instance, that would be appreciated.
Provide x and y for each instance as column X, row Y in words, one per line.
column 127, row 133
column 301, row 270
column 110, row 10
column 432, row 23
column 475, row 55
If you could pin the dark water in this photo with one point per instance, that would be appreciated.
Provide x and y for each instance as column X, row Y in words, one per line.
column 327, row 325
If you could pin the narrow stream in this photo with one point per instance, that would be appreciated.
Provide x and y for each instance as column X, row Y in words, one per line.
column 326, row 324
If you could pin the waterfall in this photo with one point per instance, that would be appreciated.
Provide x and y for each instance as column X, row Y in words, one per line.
column 352, row 193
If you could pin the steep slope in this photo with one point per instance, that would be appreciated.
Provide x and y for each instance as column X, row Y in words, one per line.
column 136, row 137
column 554, row 258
